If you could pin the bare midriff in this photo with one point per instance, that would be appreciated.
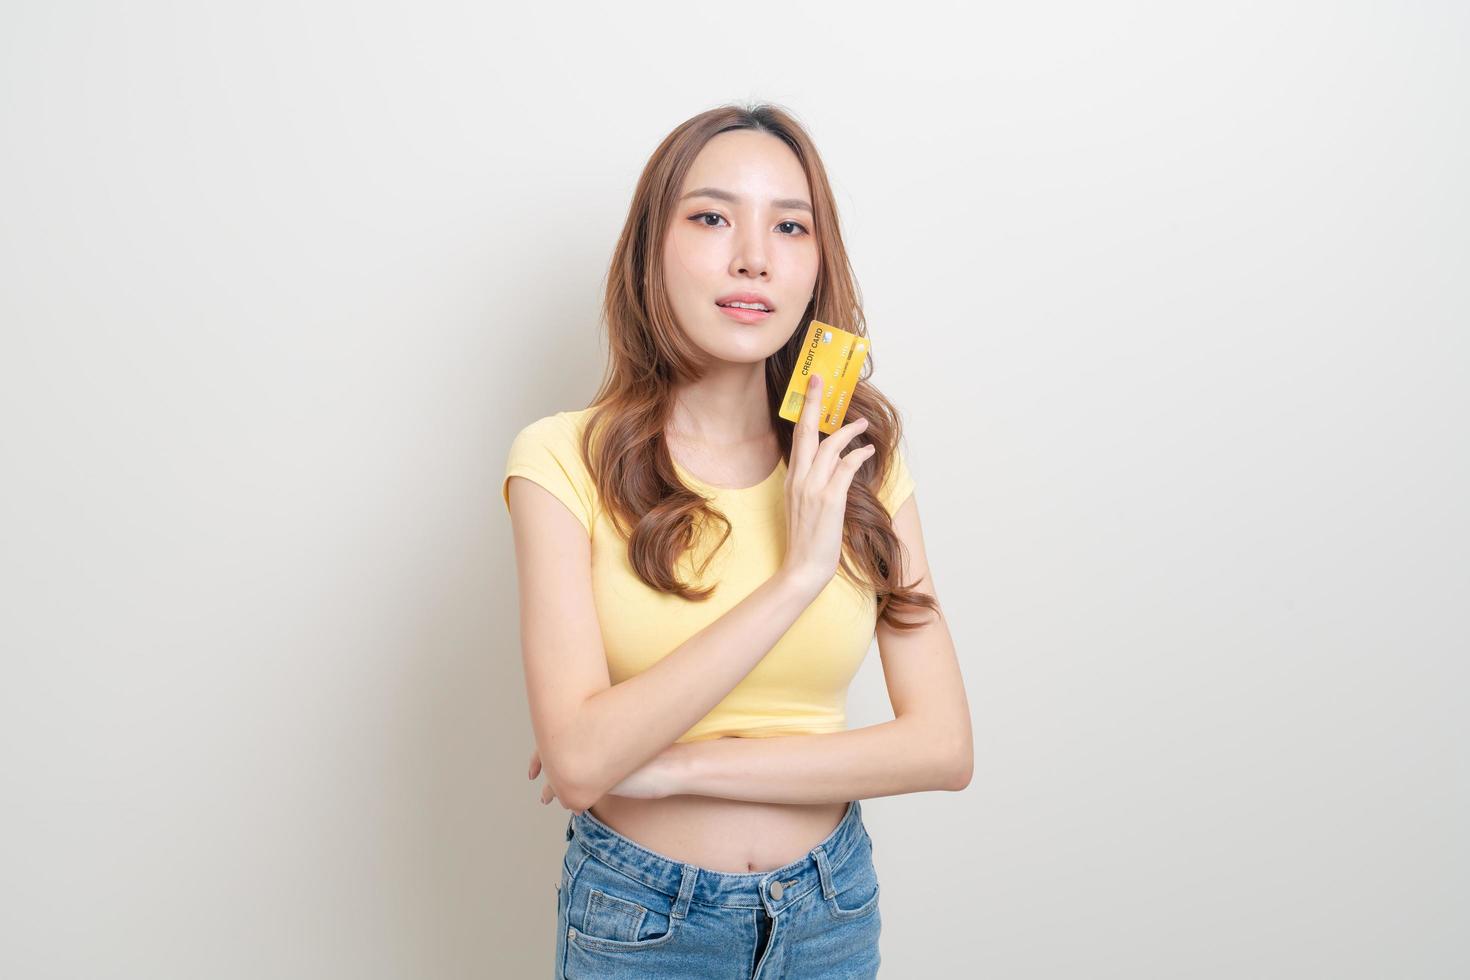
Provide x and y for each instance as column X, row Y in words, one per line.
column 735, row 836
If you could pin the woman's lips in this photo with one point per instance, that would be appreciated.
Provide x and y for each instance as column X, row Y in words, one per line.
column 744, row 316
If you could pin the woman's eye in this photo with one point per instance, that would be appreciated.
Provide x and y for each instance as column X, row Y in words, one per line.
column 710, row 214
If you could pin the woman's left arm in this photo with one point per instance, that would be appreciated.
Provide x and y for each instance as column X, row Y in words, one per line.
column 927, row 746
column 888, row 759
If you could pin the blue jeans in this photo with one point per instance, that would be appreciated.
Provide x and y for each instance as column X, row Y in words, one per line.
column 625, row 912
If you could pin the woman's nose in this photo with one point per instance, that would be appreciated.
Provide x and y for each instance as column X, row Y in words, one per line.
column 750, row 254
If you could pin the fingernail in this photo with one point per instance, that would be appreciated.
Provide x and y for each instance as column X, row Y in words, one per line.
column 813, row 381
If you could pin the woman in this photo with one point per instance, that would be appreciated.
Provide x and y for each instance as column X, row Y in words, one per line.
column 700, row 579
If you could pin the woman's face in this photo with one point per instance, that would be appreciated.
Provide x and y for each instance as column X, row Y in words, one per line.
column 743, row 224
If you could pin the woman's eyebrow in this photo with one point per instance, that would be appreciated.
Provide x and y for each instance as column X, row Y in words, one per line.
column 780, row 202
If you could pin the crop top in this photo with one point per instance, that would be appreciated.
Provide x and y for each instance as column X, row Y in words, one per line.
column 800, row 686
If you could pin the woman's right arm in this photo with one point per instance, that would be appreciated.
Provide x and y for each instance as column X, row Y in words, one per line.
column 591, row 733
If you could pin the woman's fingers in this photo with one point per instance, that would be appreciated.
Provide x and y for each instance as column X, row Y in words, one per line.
column 805, row 436
column 848, row 466
column 547, row 793
column 824, row 464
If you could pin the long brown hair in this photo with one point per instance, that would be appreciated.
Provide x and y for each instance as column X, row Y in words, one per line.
column 623, row 443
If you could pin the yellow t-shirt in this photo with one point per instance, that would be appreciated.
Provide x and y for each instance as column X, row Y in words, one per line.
column 800, row 686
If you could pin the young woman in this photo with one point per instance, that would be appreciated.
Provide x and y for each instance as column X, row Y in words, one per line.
column 700, row 579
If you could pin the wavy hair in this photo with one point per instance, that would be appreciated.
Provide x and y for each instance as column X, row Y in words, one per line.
column 623, row 443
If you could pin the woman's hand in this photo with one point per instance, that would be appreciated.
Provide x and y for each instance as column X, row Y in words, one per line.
column 651, row 781
column 816, row 492
column 655, row 779
column 548, row 792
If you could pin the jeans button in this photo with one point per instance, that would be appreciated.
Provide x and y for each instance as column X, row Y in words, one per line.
column 776, row 889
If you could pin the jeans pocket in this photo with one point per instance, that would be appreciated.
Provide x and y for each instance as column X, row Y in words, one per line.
column 607, row 910
column 612, row 918
column 855, row 884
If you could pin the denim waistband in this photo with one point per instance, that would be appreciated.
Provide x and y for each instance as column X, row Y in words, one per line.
column 771, row 890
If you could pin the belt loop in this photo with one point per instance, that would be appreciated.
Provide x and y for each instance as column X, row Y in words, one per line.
column 686, row 891
column 824, row 871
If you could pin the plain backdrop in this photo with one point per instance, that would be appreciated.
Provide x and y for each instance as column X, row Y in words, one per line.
column 1172, row 297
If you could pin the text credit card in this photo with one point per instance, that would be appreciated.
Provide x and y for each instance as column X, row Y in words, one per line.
column 837, row 357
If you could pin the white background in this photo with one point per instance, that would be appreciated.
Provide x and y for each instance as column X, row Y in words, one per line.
column 1172, row 297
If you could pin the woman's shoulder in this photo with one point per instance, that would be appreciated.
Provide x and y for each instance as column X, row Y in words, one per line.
column 558, row 426
column 575, row 418
column 548, row 451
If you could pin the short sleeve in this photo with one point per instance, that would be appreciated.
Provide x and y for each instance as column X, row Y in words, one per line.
column 898, row 483
column 548, row 452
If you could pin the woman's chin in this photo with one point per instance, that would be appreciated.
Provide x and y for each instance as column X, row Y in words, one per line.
column 751, row 348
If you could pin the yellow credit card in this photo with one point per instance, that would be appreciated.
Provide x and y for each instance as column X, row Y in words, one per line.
column 837, row 357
